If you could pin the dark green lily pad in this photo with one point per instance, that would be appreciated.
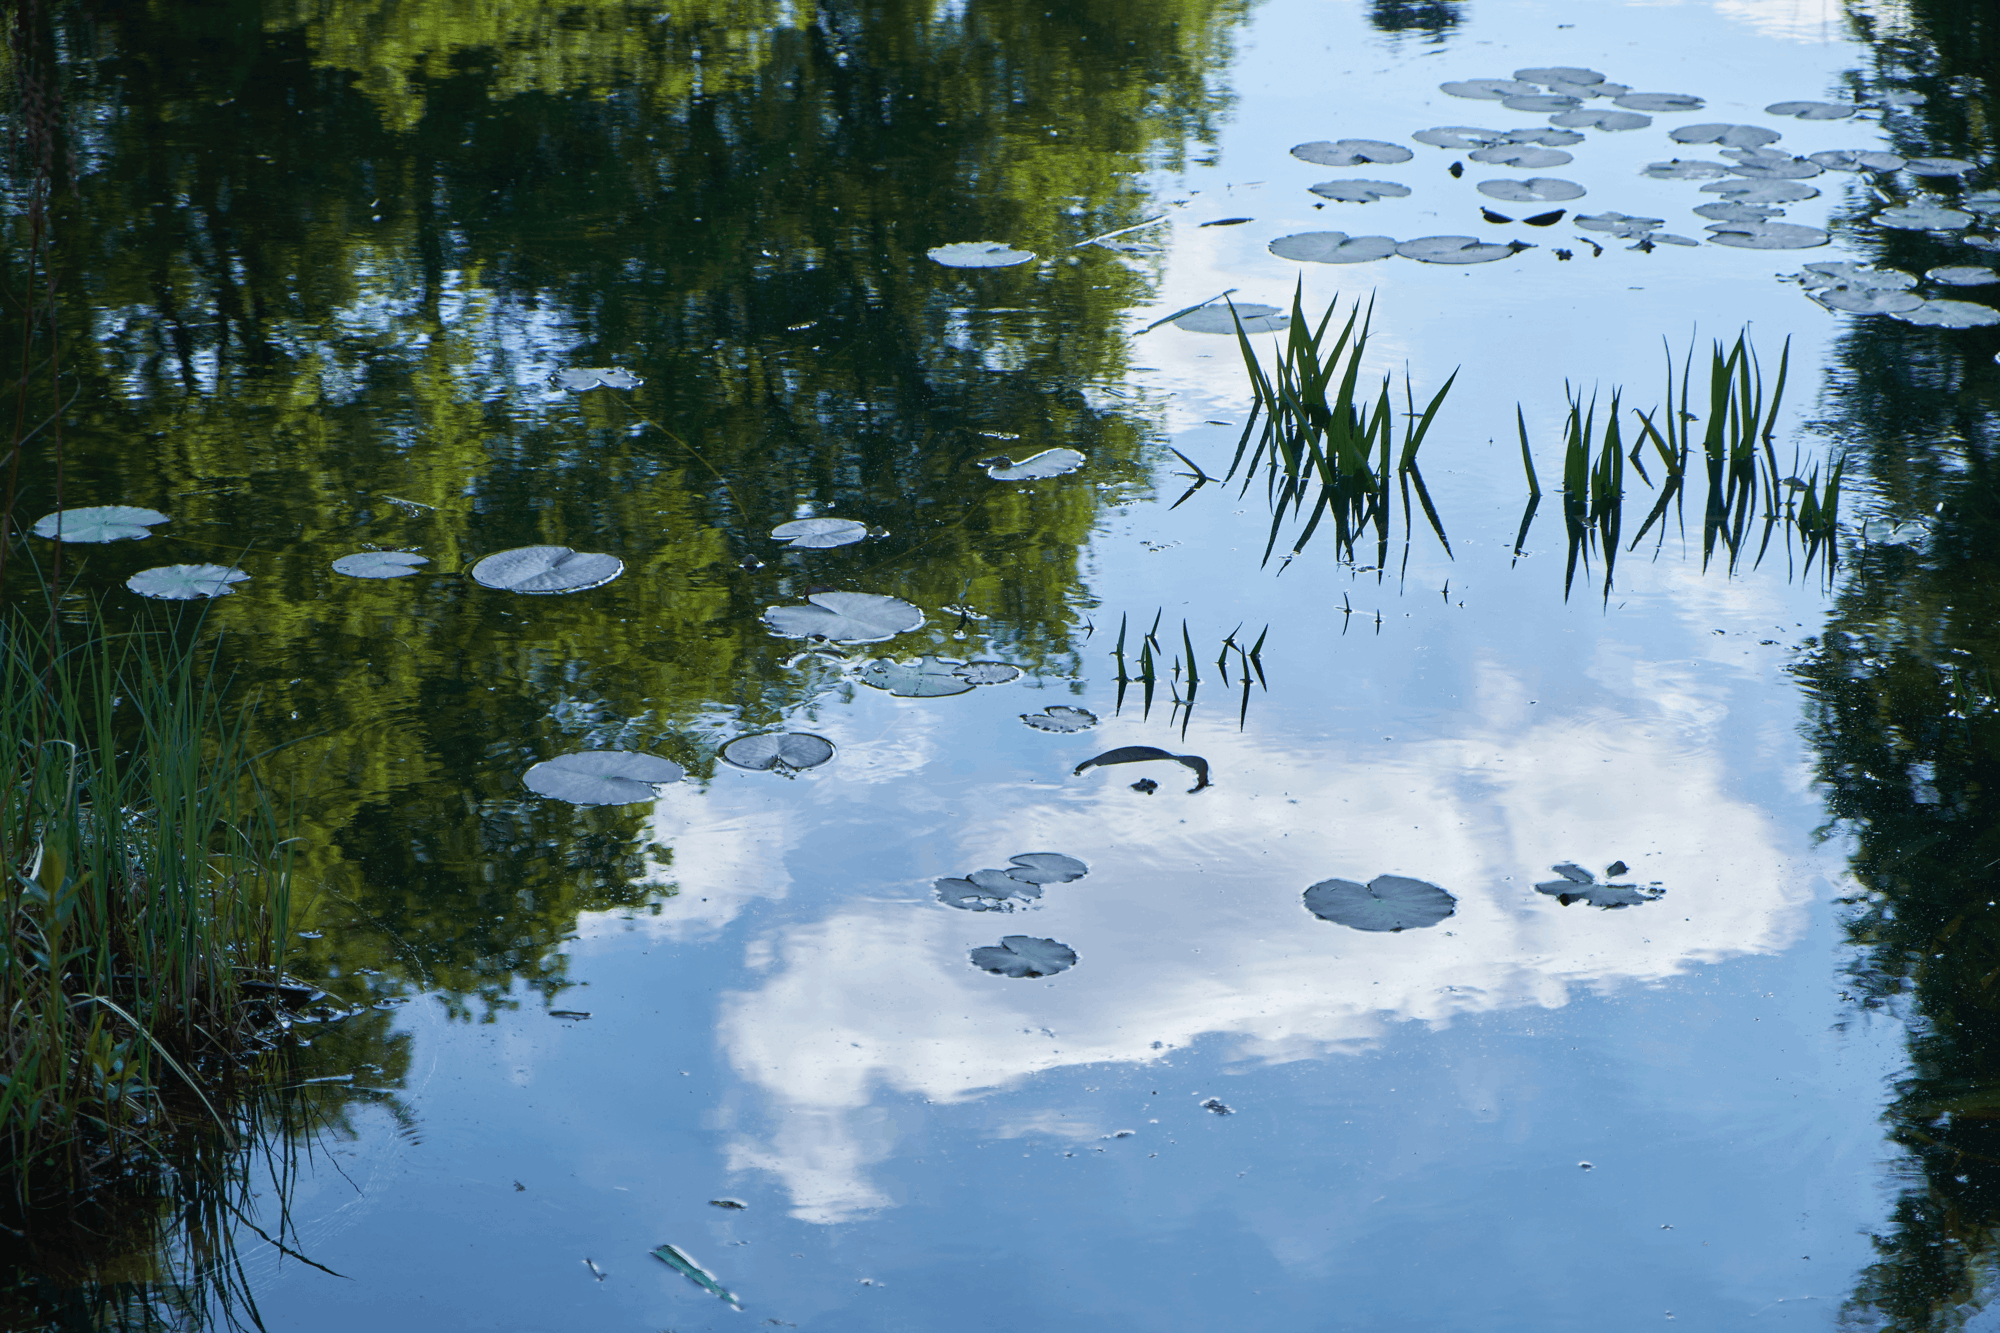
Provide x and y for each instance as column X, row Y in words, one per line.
column 1963, row 275
column 925, row 678
column 1618, row 224
column 1547, row 138
column 1024, row 956
column 1386, row 903
column 602, row 777
column 1019, row 881
column 1736, row 211
column 780, row 750
column 99, row 523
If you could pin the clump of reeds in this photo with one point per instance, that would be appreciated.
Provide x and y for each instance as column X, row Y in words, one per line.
column 1183, row 673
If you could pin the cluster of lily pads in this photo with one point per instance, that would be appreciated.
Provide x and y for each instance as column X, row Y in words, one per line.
column 1858, row 289
column 1019, row 881
column 1394, row 903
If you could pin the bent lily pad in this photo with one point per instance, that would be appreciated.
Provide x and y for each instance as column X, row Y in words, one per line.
column 1332, row 247
column 1578, row 885
column 1024, row 956
column 602, row 777
column 979, row 254
column 100, row 523
column 1459, row 138
column 379, row 564
column 1924, row 217
column 1222, row 319
column 596, row 377
column 1729, row 136
column 1766, row 235
column 185, row 583
column 1061, row 718
column 845, row 617
column 1585, row 119
column 1812, row 110
column 1351, row 152
column 812, row 534
column 1963, row 275
column 1387, row 903
column 1453, row 250
column 1659, row 102
column 1681, row 169
column 545, row 570
column 1559, row 74
column 1138, row 754
column 1618, row 224
column 1359, row 192
column 1489, row 90
column 1951, row 315
column 1040, row 467
column 1843, row 159
column 1522, row 156
column 780, row 750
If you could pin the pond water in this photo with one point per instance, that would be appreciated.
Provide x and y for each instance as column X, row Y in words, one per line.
column 327, row 271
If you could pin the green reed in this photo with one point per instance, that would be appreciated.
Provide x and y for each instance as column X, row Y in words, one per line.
column 1182, row 671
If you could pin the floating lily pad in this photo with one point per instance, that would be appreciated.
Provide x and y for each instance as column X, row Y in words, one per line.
column 1222, row 319
column 979, row 254
column 1039, row 467
column 1534, row 190
column 1062, row 718
column 1489, row 90
column 543, row 570
column 1458, row 137
column 1586, row 119
column 781, row 750
column 1047, row 868
column 1737, row 211
column 1812, row 110
column 1659, row 102
column 1351, row 152
column 1578, row 885
column 1541, row 101
column 1663, row 238
column 602, row 777
column 1387, row 902
column 1559, row 74
column 935, row 677
column 1766, row 235
column 990, row 673
column 1777, row 167
column 1762, row 192
column 1584, row 90
column 379, row 564
column 985, row 891
column 845, row 617
column 1951, row 315
column 1618, row 224
column 1963, row 275
column 1139, row 754
column 1453, row 250
column 183, row 583
column 1924, row 217
column 578, row 379
column 1547, row 138
column 1682, row 169
column 1982, row 201
column 1024, row 956
column 1332, row 247
column 811, row 534
column 1843, row 274
column 1982, row 242
column 100, row 523
column 1843, row 159
column 1522, row 156
column 1866, row 300
column 1359, row 192
column 1729, row 136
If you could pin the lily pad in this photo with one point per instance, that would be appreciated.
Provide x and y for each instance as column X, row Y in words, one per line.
column 1843, row 274
column 1359, row 192
column 1489, row 90
column 990, row 673
column 545, row 570
column 1766, row 235
column 602, row 777
column 1762, row 192
column 1736, row 211
column 934, row 677
column 99, row 523
column 1387, row 903
column 1541, row 102
column 780, row 750
column 845, row 617
column 1952, row 315
column 1578, row 885
column 1547, row 138
column 1683, row 169
column 1453, row 250
column 1222, row 319
column 1061, row 718
column 379, row 564
column 1523, row 156
column 1729, row 136
column 812, row 534
column 985, row 891
column 1618, row 224
column 1583, row 90
column 1332, row 247
column 1024, row 956
column 1046, row 868
column 1866, row 300
column 1845, row 159
column 1585, row 119
column 1924, row 217
column 1659, row 102
column 1039, row 467
column 979, row 254
column 1777, row 167
column 1982, row 201
column 1458, row 138
column 1963, row 275
column 184, row 583
column 1812, row 110
column 1139, row 754
column 1351, row 152
column 1534, row 190
column 1559, row 74
column 596, row 377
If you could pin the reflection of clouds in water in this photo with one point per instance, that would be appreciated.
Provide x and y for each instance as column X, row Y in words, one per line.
column 1194, row 928
column 1790, row 20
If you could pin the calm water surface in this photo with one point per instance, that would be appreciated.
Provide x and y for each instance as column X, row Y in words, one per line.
column 321, row 262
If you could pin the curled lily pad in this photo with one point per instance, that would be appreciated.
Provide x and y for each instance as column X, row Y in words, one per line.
column 1139, row 754
column 1541, row 102
column 1351, row 152
column 1737, row 211
column 1766, row 235
column 184, row 583
column 1332, row 247
column 1386, row 903
column 1659, row 102
column 1453, row 250
column 979, row 254
column 1522, row 156
column 845, row 617
column 1843, row 159
column 1586, row 119
column 1618, row 224
column 1223, row 318
column 1812, row 110
column 1559, row 74
column 1040, row 467
column 1061, row 717
column 1924, row 217
column 1024, row 956
column 807, row 534
column 779, row 750
column 1534, row 190
column 1458, row 138
column 934, row 677
column 379, row 564
column 602, row 777
column 1963, row 275
column 543, row 570
column 596, row 377
column 1489, row 90
column 1359, row 192
column 1729, row 136
column 1578, row 885
column 1951, row 315
column 1762, row 192
column 1680, row 169
column 99, row 523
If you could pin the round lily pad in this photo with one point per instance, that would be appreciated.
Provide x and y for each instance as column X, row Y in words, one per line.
column 1951, row 315
column 1729, row 136
column 1351, row 152
column 1543, row 135
column 1047, row 868
column 1559, row 74
column 1061, row 718
column 1583, row 90
column 1843, row 159
column 1522, row 156
column 1332, row 247
column 1736, row 211
column 602, row 777
column 596, row 377
column 183, row 583
column 1762, row 192
column 1222, row 319
column 1541, row 101
column 1585, row 119
column 1766, row 235
column 1453, row 250
column 1534, row 190
column 544, row 570
column 777, row 750
column 1963, row 275
column 1489, row 90
column 1924, row 217
column 979, row 254
column 1680, row 169
column 1777, row 167
column 1039, row 467
column 1659, row 102
column 1359, row 192
column 990, row 673
column 1024, row 956
column 1866, row 300
column 925, row 678
column 379, row 564
column 1386, row 903
column 1458, row 137
column 1811, row 110
column 808, row 534
column 845, row 617
column 1844, row 274
column 99, row 523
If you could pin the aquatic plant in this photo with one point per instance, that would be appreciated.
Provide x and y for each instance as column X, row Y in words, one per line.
column 1182, row 673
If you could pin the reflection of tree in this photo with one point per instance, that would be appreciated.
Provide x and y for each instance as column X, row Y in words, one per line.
column 1436, row 17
